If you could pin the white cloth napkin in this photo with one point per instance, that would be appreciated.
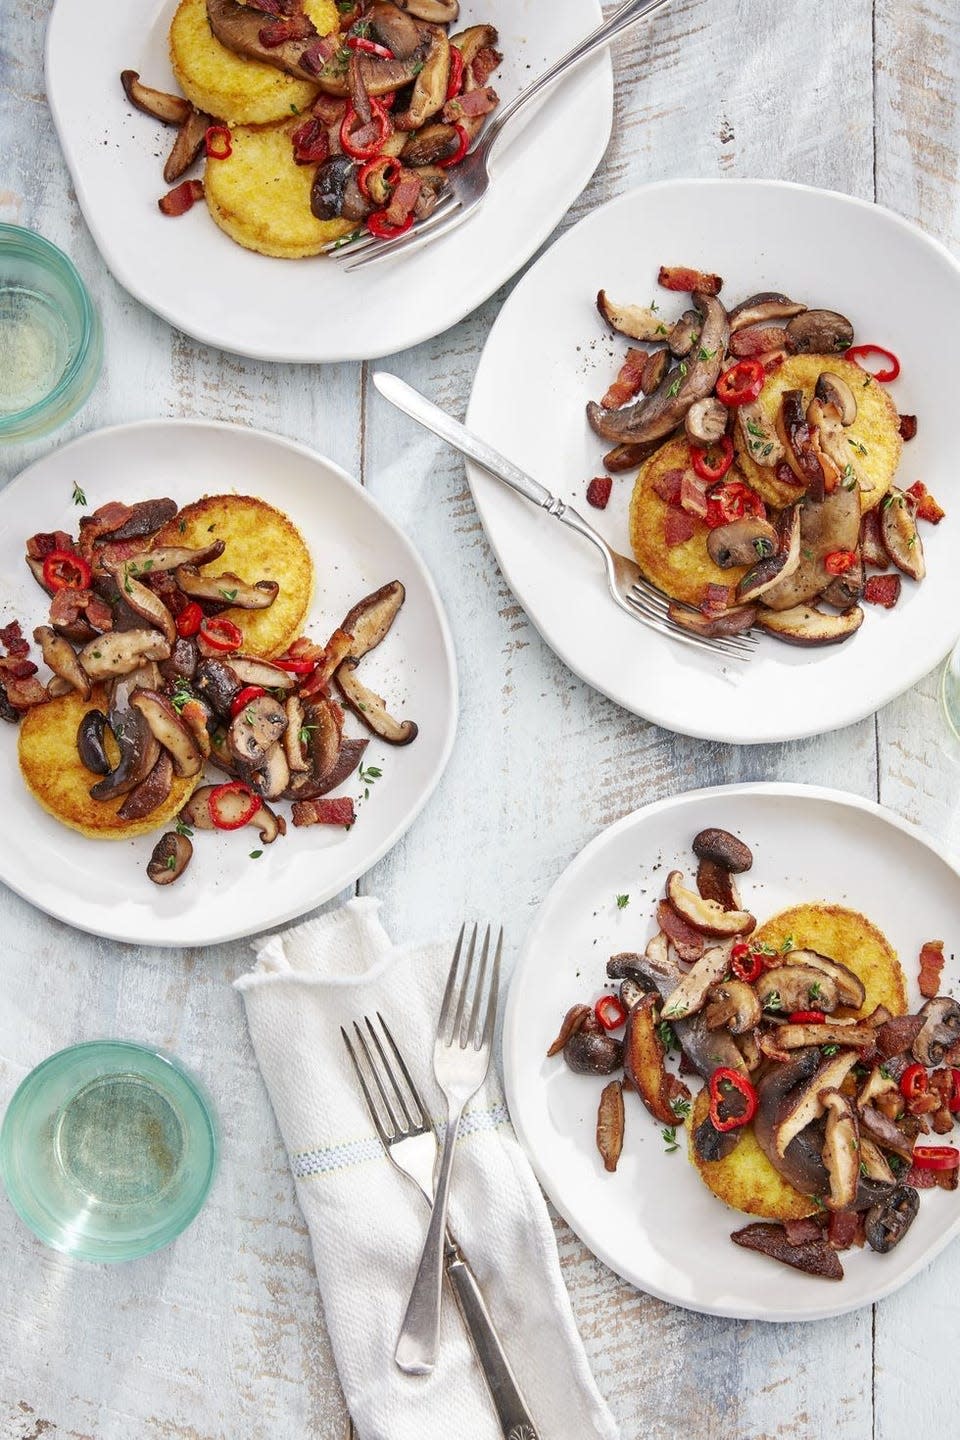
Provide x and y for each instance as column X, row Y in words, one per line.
column 367, row 1222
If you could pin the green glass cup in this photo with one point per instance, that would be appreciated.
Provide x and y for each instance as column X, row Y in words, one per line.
column 108, row 1150
column 51, row 342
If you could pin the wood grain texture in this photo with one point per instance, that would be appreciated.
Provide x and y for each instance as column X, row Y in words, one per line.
column 222, row 1335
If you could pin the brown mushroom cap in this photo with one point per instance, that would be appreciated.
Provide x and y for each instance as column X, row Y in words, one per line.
column 171, row 856
column 742, row 542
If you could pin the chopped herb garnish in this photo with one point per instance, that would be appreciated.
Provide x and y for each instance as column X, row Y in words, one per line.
column 369, row 773
column 885, row 1072
column 184, row 829
column 623, row 901
column 661, row 330
column 255, row 854
column 181, row 694
column 670, row 1142
column 171, row 862
column 787, row 945
column 829, row 1049
column 754, row 428
column 705, row 354
column 667, row 1037
column 78, row 496
column 773, row 1001
column 860, row 449
column 680, row 1107
column 182, row 526
column 815, row 992
column 97, row 654
column 229, row 594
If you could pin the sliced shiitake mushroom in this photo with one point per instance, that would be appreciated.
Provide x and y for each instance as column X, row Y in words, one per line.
column 804, row 1104
column 120, row 652
column 437, row 12
column 724, row 848
column 796, row 435
column 792, row 987
column 730, row 622
column 759, row 309
column 136, row 743
column 939, row 1032
column 806, row 625
column 60, row 655
column 590, row 1053
column 171, row 856
column 293, row 744
column 654, row 370
column 850, row 987
column 271, row 778
column 187, row 145
column 706, row 421
column 170, row 730
column 151, row 792
column 90, row 742
column 834, row 390
column 610, row 1124
column 371, row 618
column 814, row 1257
column 643, row 1057
column 474, row 39
column 226, row 589
column 689, row 996
column 734, row 1007
column 572, row 1022
column 370, row 707
column 171, row 109
column 168, row 557
column 684, row 334
column 901, row 538
column 217, row 684
column 256, row 728
column 715, row 882
column 231, row 806
column 889, row 1220
column 764, row 445
column 820, row 332
column 706, row 915
column 764, row 574
column 430, row 86
column 251, row 670
column 638, row 322
column 143, row 600
column 799, row 1036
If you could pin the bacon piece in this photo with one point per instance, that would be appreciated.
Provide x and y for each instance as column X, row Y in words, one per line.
column 15, row 667
column 311, row 143
column 715, row 598
column 181, row 198
column 681, row 277
column 693, row 494
column 908, row 426
column 786, row 476
column 11, row 638
column 678, row 526
column 68, row 604
column 404, row 198
column 42, row 545
column 26, row 692
column 598, row 491
column 328, row 109
column 324, row 812
column 759, row 340
column 336, row 649
column 627, row 384
column 882, row 590
column 668, row 486
column 316, row 56
column 872, row 547
column 297, row 27
column 798, row 1232
column 484, row 63
column 931, row 968
column 926, row 507
column 471, row 105
column 920, row 1178
column 845, row 1229
column 688, row 943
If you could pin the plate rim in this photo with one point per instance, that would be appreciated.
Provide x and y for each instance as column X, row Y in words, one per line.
column 197, row 423
column 651, row 711
column 603, row 63
column 512, row 1025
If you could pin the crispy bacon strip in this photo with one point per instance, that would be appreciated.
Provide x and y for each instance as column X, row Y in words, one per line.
column 626, row 387
column 678, row 526
column 668, row 486
column 882, row 590
column 908, row 426
column 404, row 197
column 297, row 27
column 693, row 494
column 11, row 638
column 181, row 198
column 926, row 507
column 688, row 943
column 681, row 277
column 324, row 812
column 931, row 968
column 759, row 340
column 599, row 491
column 716, row 598
column 484, row 63
column 471, row 105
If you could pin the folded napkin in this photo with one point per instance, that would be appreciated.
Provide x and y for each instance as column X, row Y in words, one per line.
column 367, row 1221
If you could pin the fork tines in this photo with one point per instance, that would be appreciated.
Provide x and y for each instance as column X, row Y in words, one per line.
column 478, row 1028
column 395, row 1098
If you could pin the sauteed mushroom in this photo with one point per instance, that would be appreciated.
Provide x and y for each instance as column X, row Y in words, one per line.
column 889, row 1220
column 940, row 1030
column 171, row 856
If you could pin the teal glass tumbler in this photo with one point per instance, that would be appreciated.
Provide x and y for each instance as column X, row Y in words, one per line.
column 108, row 1150
column 51, row 341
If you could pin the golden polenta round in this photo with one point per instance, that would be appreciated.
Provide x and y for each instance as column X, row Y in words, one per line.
column 57, row 778
column 230, row 86
column 261, row 197
column 873, row 438
column 745, row 1179
column 847, row 937
column 260, row 544
column 680, row 571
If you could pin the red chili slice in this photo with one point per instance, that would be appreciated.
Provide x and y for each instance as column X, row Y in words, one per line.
column 216, row 797
column 838, row 562
column 914, row 1082
column 189, row 620
column 384, row 127
column 461, row 149
column 610, row 1012
column 369, row 47
column 888, row 373
column 598, row 491
column 735, row 1082
column 390, row 166
column 806, row 1017
column 741, row 384
column 747, row 966
column 733, row 501
column 218, row 142
column 379, row 225
column 65, row 570
column 243, row 697
column 936, row 1157
column 712, row 462
column 220, row 634
column 456, row 73
column 295, row 667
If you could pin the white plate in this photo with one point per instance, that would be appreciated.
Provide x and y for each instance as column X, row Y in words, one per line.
column 188, row 270
column 653, row 1221
column 102, row 885
column 550, row 348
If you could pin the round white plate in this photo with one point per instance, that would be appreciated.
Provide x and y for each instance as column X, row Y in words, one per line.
column 102, row 886
column 188, row 271
column 550, row 348
column 653, row 1221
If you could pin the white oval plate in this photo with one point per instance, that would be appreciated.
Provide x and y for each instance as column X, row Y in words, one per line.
column 102, row 886
column 653, row 1221
column 550, row 348
column 193, row 275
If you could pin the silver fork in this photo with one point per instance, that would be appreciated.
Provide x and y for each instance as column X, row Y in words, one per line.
column 461, row 1058
column 631, row 591
column 401, row 1120
column 472, row 174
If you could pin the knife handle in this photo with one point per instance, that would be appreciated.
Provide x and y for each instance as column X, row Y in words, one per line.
column 512, row 1413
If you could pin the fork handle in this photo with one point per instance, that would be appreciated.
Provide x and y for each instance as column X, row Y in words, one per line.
column 432, row 418
column 621, row 19
column 515, row 1420
column 416, row 1351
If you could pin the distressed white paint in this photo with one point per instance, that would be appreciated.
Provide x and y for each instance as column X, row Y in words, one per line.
column 222, row 1334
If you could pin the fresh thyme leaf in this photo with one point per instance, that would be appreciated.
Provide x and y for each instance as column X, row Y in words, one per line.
column 829, row 1049
column 171, row 862
column 78, row 496
column 183, row 829
column 255, row 854
column 667, row 1037
column 787, row 945
column 773, row 1001
column 705, row 354
column 670, row 1143
column 623, row 901
column 368, row 774
column 229, row 594
column 680, row 1107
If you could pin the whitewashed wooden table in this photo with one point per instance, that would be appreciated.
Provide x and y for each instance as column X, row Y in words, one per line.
column 222, row 1335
